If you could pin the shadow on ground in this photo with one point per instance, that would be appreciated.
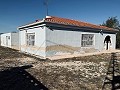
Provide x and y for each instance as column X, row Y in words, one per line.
column 113, row 74
column 18, row 79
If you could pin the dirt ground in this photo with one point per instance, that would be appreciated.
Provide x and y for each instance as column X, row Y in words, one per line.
column 19, row 71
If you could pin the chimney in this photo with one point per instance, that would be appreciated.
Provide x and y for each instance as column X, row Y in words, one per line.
column 48, row 17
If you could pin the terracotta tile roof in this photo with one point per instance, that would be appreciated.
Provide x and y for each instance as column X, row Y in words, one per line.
column 65, row 21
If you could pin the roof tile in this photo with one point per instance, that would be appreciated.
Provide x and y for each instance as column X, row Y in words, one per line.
column 65, row 21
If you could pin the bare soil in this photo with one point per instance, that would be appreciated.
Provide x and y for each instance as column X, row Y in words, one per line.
column 20, row 71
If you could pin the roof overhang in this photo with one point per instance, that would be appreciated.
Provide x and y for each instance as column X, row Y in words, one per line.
column 60, row 26
column 53, row 26
column 32, row 25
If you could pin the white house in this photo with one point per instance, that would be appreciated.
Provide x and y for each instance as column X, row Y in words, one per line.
column 59, row 36
column 10, row 40
column 0, row 40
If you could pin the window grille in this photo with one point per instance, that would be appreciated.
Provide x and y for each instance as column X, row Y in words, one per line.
column 87, row 40
column 30, row 37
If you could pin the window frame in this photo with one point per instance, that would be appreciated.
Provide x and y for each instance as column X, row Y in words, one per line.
column 30, row 39
column 8, row 37
column 93, row 39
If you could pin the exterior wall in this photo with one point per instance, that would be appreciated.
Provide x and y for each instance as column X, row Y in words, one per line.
column 12, row 42
column 15, row 40
column 59, row 42
column 39, row 47
column 113, row 40
column 99, row 41
column 0, row 40
column 6, row 42
column 62, row 42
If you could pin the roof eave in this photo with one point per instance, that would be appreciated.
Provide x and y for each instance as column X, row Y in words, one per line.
column 30, row 25
column 78, row 27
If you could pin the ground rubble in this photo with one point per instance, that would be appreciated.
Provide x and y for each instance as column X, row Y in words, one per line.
column 79, row 73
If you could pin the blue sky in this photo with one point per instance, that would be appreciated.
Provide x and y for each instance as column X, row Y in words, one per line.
column 14, row 13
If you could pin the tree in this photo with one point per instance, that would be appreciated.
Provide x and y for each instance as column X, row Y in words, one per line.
column 113, row 22
column 118, row 40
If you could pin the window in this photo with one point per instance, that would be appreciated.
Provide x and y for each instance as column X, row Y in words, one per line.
column 7, row 37
column 87, row 40
column 30, row 39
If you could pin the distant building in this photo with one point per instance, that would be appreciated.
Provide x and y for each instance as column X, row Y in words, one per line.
column 60, row 36
column 0, row 38
column 10, row 40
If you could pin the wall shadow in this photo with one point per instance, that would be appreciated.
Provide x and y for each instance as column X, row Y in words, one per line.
column 17, row 78
column 116, row 82
column 113, row 74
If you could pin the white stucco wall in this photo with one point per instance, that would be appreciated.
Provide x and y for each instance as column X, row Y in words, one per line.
column 49, row 42
column 63, row 37
column 6, row 42
column 73, row 38
column 12, row 42
column 0, row 40
column 39, row 48
column 100, row 45
column 15, row 40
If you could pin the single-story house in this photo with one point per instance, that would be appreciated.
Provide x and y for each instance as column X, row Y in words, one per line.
column 10, row 40
column 60, row 36
column 0, row 39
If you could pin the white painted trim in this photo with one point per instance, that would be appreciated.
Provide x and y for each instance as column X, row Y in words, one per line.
column 31, row 24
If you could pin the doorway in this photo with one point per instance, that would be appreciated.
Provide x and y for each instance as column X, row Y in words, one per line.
column 107, row 41
column 7, row 40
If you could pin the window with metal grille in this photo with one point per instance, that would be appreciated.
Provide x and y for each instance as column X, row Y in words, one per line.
column 7, row 37
column 30, row 38
column 87, row 40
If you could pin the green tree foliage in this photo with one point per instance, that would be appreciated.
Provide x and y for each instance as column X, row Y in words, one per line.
column 118, row 40
column 113, row 22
